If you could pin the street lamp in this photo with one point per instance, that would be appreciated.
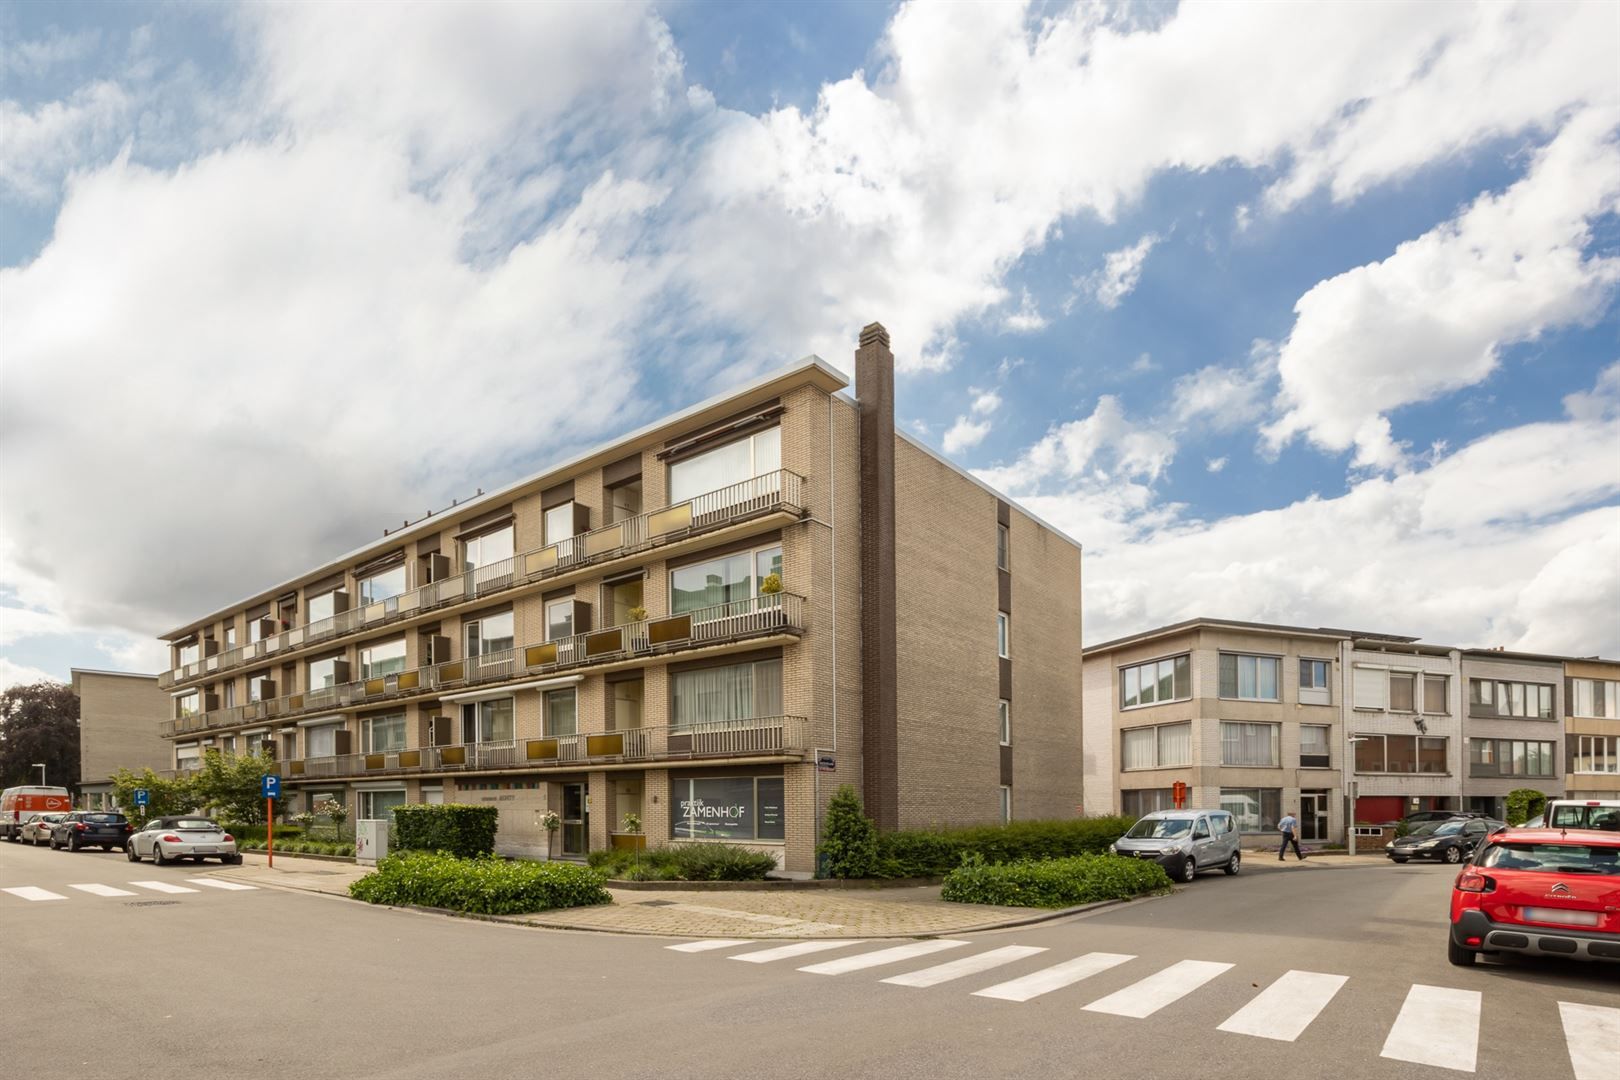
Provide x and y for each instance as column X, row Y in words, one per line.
column 40, row 765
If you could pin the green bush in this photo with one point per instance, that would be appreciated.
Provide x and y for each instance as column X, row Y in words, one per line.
column 463, row 831
column 685, row 862
column 1053, row 883
column 931, row 852
column 1524, row 804
column 485, row 885
column 301, row 847
column 254, row 834
column 850, row 840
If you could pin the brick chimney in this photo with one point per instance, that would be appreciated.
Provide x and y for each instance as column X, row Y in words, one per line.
column 874, row 386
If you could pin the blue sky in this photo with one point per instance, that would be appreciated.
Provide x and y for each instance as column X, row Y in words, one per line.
column 1286, row 312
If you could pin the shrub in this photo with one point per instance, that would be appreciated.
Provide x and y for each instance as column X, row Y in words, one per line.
column 931, row 852
column 485, row 885
column 254, row 834
column 463, row 831
column 1053, row 883
column 685, row 862
column 850, row 839
column 1524, row 804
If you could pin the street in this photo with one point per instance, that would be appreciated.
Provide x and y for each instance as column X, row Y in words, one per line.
column 1281, row 971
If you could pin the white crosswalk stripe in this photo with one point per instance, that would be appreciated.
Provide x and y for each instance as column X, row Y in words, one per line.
column 1592, row 1033
column 1054, row 978
column 215, row 883
column 1285, row 1008
column 1142, row 999
column 162, row 887
column 709, row 945
column 881, row 957
column 968, row 965
column 1437, row 1026
column 31, row 892
column 788, row 952
column 102, row 890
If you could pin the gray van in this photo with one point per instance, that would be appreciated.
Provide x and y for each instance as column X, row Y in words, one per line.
column 1184, row 841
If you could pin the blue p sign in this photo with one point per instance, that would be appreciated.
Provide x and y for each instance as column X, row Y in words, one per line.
column 270, row 787
column 141, row 797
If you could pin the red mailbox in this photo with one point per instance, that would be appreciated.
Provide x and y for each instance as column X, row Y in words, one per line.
column 1178, row 792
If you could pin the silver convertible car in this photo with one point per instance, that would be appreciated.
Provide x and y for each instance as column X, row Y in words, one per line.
column 168, row 839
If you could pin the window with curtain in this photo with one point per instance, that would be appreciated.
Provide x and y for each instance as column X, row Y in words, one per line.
column 1175, row 745
column 1138, row 749
column 1138, row 802
column 1596, row 698
column 1314, row 749
column 1493, row 697
column 1155, row 682
column 562, row 713
column 1251, row 678
column 1253, row 745
column 321, row 741
column 723, row 466
column 383, row 658
column 1401, row 689
column 1254, row 809
column 732, row 692
column 1161, row 747
column 1596, row 754
column 379, row 805
column 1510, row 757
column 383, row 734
column 1371, row 687
column 1434, row 693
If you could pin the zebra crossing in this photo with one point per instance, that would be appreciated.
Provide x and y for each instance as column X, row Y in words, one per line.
column 35, row 894
column 1436, row 1026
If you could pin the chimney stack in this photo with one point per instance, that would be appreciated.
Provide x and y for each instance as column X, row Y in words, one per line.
column 874, row 386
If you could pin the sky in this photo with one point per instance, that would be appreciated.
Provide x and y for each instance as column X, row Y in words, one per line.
column 1287, row 312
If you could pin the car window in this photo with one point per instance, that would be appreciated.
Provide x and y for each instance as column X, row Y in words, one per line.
column 1448, row 828
column 1159, row 828
column 1202, row 830
column 1425, row 829
column 195, row 823
column 154, row 824
column 1552, row 858
column 1475, row 828
column 104, row 819
column 1225, row 822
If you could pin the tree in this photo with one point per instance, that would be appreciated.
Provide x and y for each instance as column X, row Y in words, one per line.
column 231, row 786
column 40, row 723
column 850, row 842
column 165, row 798
column 1524, row 804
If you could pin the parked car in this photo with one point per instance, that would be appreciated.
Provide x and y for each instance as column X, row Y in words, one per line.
column 167, row 839
column 90, row 828
column 1601, row 814
column 1541, row 892
column 19, row 805
column 1423, row 817
column 1184, row 841
column 1450, row 841
column 37, row 829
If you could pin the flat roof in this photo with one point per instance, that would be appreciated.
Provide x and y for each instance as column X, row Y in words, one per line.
column 121, row 674
column 1548, row 658
column 1238, row 624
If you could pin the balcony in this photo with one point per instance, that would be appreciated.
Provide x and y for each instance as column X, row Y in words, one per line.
column 772, row 736
column 774, row 492
column 762, row 616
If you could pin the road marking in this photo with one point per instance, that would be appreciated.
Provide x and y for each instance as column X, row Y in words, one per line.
column 706, row 946
column 882, row 956
column 29, row 892
column 1593, row 1035
column 1054, row 978
column 1286, row 1008
column 102, row 890
column 1142, row 999
column 968, row 965
column 162, row 886
column 213, row 883
column 787, row 952
column 1437, row 1026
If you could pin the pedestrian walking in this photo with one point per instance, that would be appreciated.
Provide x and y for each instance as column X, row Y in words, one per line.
column 1289, row 827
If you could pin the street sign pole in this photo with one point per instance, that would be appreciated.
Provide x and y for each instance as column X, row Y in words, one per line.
column 270, row 831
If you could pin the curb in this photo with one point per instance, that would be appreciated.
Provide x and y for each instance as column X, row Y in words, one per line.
column 774, row 885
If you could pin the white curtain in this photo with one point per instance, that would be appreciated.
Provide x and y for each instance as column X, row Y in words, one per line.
column 1313, row 739
column 734, row 692
column 1248, row 744
column 1137, row 748
column 1175, row 745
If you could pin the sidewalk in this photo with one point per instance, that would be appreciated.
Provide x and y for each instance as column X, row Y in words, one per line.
column 1264, row 859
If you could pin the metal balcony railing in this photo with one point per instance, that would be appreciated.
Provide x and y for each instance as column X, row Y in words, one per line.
column 771, row 613
column 780, row 490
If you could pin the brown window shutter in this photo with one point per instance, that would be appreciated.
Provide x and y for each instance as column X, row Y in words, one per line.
column 582, row 617
column 582, row 518
column 342, row 742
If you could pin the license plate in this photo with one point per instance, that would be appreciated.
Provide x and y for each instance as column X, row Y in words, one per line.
column 202, row 850
column 1560, row 915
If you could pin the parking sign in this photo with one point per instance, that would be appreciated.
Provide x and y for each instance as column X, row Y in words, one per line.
column 142, row 798
column 270, row 787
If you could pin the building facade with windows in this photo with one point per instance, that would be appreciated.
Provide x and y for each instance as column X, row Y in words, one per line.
column 676, row 628
column 1404, row 724
column 119, row 716
column 1592, row 728
column 1515, row 726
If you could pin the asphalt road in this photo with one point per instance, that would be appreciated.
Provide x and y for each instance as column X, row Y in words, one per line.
column 267, row 983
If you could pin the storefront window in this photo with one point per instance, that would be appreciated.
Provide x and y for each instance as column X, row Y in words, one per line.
column 729, row 808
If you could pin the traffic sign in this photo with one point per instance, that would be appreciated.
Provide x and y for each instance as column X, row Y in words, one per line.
column 142, row 797
column 270, row 787
column 826, row 763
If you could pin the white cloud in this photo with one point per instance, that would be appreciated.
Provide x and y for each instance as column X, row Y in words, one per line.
column 39, row 145
column 36, row 56
column 1027, row 319
column 1121, row 271
column 1215, row 464
column 1434, row 316
column 1225, row 398
column 13, row 674
column 1600, row 402
column 1105, row 445
column 965, row 434
column 985, row 401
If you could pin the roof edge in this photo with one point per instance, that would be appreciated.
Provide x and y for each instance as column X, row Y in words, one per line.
column 1009, row 499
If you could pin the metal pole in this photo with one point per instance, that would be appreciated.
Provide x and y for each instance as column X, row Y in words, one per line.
column 270, row 830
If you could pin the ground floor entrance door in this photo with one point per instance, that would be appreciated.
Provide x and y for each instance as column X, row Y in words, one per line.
column 1313, row 815
column 575, row 831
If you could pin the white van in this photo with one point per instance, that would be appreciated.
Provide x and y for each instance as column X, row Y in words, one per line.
column 1603, row 814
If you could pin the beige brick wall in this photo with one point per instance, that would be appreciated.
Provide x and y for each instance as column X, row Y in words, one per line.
column 119, row 720
column 1048, row 770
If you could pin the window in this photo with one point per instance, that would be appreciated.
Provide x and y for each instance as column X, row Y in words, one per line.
column 1003, row 634
column 1596, row 754
column 383, row 658
column 321, row 741
column 728, row 808
column 562, row 714
column 623, row 501
column 1006, row 804
column 560, row 619
column 1510, row 757
column 323, row 606
column 1252, row 745
column 186, row 704
column 1594, row 698
column 230, row 637
column 1371, row 685
column 1156, row 682
column 733, row 692
column 1314, row 751
column 1400, row 754
column 383, row 734
column 1004, row 708
column 323, row 673
column 255, row 631
column 489, row 635
column 256, row 686
column 1490, row 697
column 1162, row 747
column 559, row 523
column 725, row 580
column 487, row 548
column 1250, row 678
column 1313, row 674
column 487, row 721
column 1254, row 809
column 1139, row 802
column 1434, row 693
column 228, row 693
column 629, row 704
column 188, row 653
column 733, row 463
column 1003, row 547
column 187, row 755
column 1401, row 692
column 383, row 585
column 379, row 805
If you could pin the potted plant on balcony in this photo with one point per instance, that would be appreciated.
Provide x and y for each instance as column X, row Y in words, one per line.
column 770, row 595
column 550, row 822
column 637, row 614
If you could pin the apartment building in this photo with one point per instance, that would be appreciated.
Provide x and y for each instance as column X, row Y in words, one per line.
column 1515, row 724
column 707, row 625
column 119, row 716
column 1405, row 727
column 1592, row 728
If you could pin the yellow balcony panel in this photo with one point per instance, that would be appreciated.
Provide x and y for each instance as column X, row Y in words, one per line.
column 664, row 631
column 453, row 755
column 410, row 759
column 673, row 519
column 375, row 686
column 453, row 672
column 538, row 562
column 604, row 642
column 409, row 680
column 604, row 540
column 536, row 655
column 541, row 750
column 295, row 768
column 376, row 761
column 609, row 745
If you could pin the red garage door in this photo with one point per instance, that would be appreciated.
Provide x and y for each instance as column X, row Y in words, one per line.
column 1377, row 809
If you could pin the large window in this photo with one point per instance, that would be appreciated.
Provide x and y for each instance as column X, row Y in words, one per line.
column 1254, row 809
column 732, row 692
column 1139, row 802
column 383, row 734
column 1510, row 757
column 323, row 606
column 187, row 756
column 1251, row 678
column 1400, row 754
column 487, row 721
column 1434, row 693
column 323, row 673
column 1596, row 754
column 321, row 741
column 487, row 548
column 379, row 805
column 491, row 634
column 560, row 619
column 188, row 653
column 1252, row 745
column 1161, row 747
column 562, row 713
column 1491, row 697
column 728, row 808
column 1314, row 747
column 723, row 466
column 382, row 658
column 186, row 704
column 1314, row 674
column 725, row 580
column 1155, row 682
column 1594, row 698
column 383, row 585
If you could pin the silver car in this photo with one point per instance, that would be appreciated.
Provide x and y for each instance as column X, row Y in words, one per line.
column 1184, row 842
column 169, row 839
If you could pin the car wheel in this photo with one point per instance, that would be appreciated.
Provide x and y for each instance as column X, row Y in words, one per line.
column 1453, row 855
column 1398, row 858
column 53, row 841
column 158, row 856
column 129, row 853
column 1233, row 864
column 1458, row 955
column 1189, row 870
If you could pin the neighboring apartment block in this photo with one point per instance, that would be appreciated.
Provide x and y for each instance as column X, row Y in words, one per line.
column 119, row 716
column 1592, row 740
column 708, row 624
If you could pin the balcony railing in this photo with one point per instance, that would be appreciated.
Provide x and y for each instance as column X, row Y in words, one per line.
column 771, row 613
column 753, row 737
column 774, row 491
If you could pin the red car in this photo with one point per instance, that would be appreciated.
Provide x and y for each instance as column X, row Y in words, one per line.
column 1541, row 892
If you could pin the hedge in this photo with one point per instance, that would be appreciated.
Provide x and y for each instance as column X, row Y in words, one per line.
column 485, row 885
column 302, row 847
column 254, row 834
column 932, row 852
column 1054, row 883
column 461, row 830
column 685, row 862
